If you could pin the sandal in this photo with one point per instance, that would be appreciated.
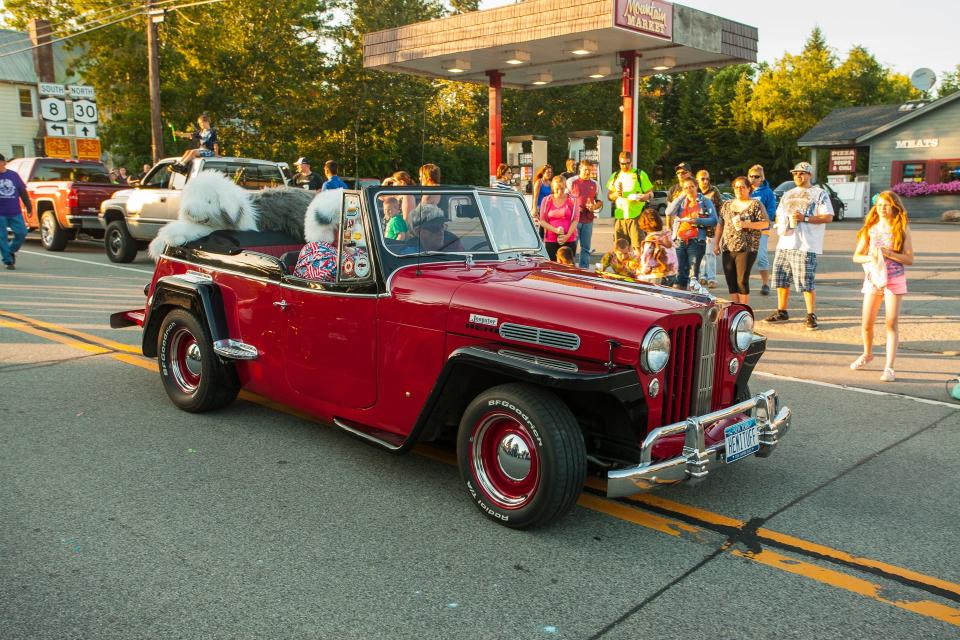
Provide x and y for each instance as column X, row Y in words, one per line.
column 860, row 362
column 888, row 375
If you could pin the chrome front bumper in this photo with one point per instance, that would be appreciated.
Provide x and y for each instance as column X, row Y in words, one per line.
column 697, row 459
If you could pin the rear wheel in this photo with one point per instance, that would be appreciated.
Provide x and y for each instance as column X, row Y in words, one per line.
column 521, row 455
column 119, row 244
column 52, row 235
column 193, row 375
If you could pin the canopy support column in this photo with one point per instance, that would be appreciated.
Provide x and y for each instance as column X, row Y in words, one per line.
column 495, row 99
column 628, row 61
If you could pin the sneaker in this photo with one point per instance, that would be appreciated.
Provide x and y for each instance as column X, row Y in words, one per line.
column 712, row 284
column 10, row 266
column 765, row 290
column 860, row 362
column 777, row 316
column 811, row 322
column 703, row 281
column 176, row 167
column 888, row 375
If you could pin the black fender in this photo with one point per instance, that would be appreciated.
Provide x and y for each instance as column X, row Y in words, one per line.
column 191, row 292
column 756, row 349
column 622, row 384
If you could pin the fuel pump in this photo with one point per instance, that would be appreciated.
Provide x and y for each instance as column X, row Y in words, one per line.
column 597, row 147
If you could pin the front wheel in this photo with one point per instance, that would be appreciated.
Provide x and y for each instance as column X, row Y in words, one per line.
column 52, row 235
column 119, row 244
column 521, row 455
column 193, row 375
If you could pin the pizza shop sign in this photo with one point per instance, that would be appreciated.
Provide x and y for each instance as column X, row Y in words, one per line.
column 645, row 16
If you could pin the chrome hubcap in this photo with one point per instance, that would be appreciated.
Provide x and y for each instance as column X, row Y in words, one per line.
column 192, row 359
column 513, row 455
column 46, row 229
column 115, row 242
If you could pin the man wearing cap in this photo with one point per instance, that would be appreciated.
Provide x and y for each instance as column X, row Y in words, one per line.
column 305, row 178
column 430, row 231
column 800, row 220
column 12, row 192
column 630, row 189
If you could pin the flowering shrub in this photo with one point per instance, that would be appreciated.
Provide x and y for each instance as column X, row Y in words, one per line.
column 914, row 189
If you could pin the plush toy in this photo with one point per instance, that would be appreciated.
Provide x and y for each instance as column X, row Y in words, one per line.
column 318, row 258
column 212, row 201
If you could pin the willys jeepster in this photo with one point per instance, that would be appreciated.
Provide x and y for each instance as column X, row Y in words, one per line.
column 541, row 373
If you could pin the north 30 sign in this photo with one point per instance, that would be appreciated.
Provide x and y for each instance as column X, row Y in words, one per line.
column 85, row 111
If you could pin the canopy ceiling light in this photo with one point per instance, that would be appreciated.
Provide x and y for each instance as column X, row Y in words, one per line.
column 516, row 56
column 456, row 65
column 581, row 47
column 663, row 63
column 541, row 78
column 598, row 71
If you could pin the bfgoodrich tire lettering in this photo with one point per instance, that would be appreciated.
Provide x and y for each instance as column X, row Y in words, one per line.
column 193, row 375
column 521, row 455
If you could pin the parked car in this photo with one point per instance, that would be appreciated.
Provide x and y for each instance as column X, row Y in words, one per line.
column 659, row 201
column 66, row 197
column 132, row 217
column 536, row 370
column 839, row 208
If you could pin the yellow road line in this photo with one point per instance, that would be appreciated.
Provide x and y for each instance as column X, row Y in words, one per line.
column 619, row 510
column 110, row 344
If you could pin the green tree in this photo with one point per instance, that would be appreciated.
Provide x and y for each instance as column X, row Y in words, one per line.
column 862, row 80
column 949, row 82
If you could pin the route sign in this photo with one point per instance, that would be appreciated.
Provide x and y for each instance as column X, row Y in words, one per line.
column 53, row 109
column 48, row 89
column 88, row 149
column 78, row 91
column 85, row 111
column 85, row 130
column 57, row 147
column 58, row 129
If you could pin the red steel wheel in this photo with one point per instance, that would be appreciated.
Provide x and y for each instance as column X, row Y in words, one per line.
column 521, row 455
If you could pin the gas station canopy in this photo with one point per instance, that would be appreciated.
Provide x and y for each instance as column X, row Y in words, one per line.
column 560, row 42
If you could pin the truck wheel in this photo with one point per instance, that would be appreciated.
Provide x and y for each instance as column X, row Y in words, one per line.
column 521, row 455
column 193, row 375
column 52, row 235
column 120, row 245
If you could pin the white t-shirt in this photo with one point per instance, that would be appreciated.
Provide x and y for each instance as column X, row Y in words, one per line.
column 812, row 201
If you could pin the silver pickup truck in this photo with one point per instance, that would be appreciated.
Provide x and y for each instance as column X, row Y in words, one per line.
column 132, row 217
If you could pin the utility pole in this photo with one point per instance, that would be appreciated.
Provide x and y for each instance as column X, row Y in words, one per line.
column 154, row 18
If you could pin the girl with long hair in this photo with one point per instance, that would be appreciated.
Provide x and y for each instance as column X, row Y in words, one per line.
column 885, row 248
column 541, row 187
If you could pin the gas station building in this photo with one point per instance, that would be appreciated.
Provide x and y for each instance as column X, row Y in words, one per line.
column 544, row 43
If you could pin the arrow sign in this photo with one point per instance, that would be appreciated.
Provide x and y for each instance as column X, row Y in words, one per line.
column 86, row 130
column 58, row 129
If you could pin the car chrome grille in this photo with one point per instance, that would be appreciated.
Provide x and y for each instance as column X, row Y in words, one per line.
column 681, row 370
column 546, row 362
column 542, row 337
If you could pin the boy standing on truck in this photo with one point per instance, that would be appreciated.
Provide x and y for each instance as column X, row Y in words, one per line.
column 12, row 188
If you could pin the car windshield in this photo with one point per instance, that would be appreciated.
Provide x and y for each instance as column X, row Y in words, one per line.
column 248, row 175
column 70, row 172
column 457, row 222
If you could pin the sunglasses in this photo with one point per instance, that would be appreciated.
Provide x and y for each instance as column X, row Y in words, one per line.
column 433, row 227
column 755, row 177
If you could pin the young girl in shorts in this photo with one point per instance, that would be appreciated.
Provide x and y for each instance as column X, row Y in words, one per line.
column 884, row 247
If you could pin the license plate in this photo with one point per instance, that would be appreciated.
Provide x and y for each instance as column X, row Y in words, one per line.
column 742, row 440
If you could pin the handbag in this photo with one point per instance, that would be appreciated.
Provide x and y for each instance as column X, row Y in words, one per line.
column 876, row 270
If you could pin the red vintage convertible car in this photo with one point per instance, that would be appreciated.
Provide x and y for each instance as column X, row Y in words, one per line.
column 540, row 372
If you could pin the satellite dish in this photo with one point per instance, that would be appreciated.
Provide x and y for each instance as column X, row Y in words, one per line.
column 923, row 78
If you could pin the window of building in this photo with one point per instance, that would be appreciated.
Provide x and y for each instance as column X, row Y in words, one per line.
column 26, row 103
column 914, row 171
column 950, row 171
column 19, row 151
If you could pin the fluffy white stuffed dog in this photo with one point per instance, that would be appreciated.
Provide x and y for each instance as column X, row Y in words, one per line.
column 319, row 225
column 209, row 201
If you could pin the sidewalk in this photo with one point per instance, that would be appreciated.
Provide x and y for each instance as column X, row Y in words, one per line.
column 929, row 321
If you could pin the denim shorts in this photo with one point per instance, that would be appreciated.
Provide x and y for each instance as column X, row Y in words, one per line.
column 763, row 260
column 205, row 153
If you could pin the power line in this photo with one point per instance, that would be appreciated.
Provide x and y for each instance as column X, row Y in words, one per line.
column 138, row 12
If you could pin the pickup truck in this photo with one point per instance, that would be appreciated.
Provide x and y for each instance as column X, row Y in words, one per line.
column 66, row 197
column 132, row 217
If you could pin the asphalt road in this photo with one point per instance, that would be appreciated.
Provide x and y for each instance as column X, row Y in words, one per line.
column 123, row 517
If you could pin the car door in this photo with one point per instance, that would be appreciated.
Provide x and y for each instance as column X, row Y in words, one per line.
column 150, row 205
column 329, row 332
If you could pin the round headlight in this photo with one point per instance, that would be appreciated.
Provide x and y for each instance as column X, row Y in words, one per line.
column 741, row 331
column 655, row 350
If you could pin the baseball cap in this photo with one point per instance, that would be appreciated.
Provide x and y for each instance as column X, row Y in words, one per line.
column 2, row 158
column 803, row 167
column 683, row 166
column 302, row 160
column 428, row 215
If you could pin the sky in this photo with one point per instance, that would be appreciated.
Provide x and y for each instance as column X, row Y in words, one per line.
column 901, row 35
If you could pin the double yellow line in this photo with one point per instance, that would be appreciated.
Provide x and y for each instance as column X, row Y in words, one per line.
column 647, row 510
